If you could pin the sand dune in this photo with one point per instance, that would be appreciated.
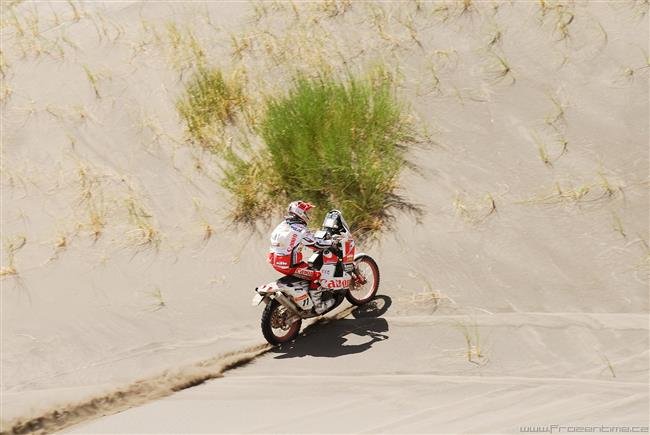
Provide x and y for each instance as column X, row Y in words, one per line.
column 369, row 380
column 518, row 297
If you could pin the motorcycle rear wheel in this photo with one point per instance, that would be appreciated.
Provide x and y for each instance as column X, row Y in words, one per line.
column 275, row 323
column 362, row 293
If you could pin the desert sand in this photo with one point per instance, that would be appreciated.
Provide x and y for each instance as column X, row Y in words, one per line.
column 519, row 295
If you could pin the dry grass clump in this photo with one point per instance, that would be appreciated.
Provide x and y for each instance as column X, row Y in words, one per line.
column 560, row 15
column 474, row 352
column 333, row 8
column 97, row 220
column 475, row 212
column 543, row 149
column 11, row 248
column 499, row 68
column 553, row 144
column 159, row 301
column 557, row 118
column 447, row 10
column 210, row 102
column 147, row 234
column 4, row 65
column 253, row 184
column 618, row 225
column 208, row 229
column 182, row 47
column 568, row 193
column 609, row 364
column 60, row 245
column 92, row 198
column 426, row 297
column 93, row 79
column 34, row 32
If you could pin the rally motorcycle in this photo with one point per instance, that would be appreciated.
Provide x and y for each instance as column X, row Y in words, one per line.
column 344, row 275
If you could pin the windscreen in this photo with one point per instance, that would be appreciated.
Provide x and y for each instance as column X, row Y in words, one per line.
column 334, row 220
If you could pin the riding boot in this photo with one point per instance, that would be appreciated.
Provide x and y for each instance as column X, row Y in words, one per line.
column 320, row 306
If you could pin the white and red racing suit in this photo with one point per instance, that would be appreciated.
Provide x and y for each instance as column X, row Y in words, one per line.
column 285, row 254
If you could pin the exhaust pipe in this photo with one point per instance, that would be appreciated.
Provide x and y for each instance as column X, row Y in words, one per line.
column 291, row 306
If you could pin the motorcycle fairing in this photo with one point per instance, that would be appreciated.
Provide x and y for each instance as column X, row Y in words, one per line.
column 331, row 280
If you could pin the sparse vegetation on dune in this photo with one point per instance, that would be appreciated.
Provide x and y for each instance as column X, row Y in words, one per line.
column 210, row 101
column 335, row 143
column 91, row 197
column 618, row 225
column 11, row 247
column 253, row 184
column 121, row 125
column 146, row 233
column 60, row 245
column 159, row 301
column 476, row 212
column 208, row 229
column 543, row 148
column 92, row 79
column 499, row 69
column 609, row 364
column 474, row 352
column 570, row 193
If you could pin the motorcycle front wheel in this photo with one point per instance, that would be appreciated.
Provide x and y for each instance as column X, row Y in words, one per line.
column 366, row 282
column 278, row 324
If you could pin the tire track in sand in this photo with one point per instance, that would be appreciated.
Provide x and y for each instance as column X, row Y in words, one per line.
column 145, row 390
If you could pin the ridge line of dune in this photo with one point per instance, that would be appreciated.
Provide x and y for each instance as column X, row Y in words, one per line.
column 459, row 378
column 623, row 321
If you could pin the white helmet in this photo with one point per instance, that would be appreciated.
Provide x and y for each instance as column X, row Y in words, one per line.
column 300, row 209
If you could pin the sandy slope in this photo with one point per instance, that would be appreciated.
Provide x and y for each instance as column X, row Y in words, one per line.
column 551, row 288
column 356, row 376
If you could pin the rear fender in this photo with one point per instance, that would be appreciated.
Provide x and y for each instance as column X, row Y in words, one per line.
column 265, row 293
column 268, row 289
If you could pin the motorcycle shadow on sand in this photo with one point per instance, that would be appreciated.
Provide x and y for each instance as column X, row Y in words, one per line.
column 328, row 337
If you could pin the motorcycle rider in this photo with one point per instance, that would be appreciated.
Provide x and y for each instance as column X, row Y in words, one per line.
column 285, row 254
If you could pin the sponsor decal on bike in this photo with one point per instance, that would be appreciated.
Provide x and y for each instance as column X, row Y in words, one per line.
column 338, row 283
column 305, row 273
column 300, row 298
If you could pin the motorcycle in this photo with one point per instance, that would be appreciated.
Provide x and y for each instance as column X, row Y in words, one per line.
column 344, row 275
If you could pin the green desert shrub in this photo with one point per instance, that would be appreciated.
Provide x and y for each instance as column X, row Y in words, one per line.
column 210, row 102
column 338, row 144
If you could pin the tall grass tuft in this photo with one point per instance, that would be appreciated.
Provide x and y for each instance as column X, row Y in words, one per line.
column 338, row 144
column 254, row 185
column 210, row 101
